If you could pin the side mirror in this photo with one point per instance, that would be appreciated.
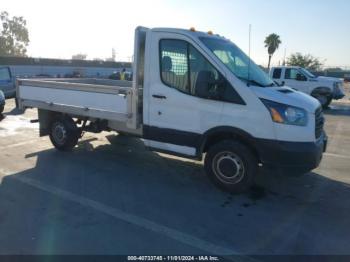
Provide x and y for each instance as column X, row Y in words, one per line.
column 279, row 84
column 204, row 84
column 300, row 77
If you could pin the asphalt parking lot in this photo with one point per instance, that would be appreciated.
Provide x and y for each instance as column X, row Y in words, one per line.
column 111, row 196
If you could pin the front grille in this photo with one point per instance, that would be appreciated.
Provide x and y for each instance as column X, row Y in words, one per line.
column 319, row 122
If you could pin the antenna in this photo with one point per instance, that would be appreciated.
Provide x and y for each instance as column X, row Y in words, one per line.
column 250, row 29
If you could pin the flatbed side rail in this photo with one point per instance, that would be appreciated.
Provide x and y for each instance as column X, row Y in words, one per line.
column 77, row 111
column 75, row 86
column 25, row 101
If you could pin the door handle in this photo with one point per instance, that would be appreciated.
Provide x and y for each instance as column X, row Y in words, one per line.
column 159, row 96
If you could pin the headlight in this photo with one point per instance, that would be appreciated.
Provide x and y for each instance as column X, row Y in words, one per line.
column 285, row 114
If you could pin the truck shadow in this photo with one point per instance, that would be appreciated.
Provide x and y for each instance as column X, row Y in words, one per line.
column 129, row 155
column 170, row 190
column 14, row 112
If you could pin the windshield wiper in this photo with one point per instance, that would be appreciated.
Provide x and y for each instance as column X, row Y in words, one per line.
column 254, row 82
column 251, row 81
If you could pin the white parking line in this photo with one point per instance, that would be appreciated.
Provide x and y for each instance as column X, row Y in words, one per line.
column 342, row 101
column 135, row 220
column 337, row 155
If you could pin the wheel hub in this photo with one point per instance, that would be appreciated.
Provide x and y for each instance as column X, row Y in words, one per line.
column 228, row 167
column 59, row 133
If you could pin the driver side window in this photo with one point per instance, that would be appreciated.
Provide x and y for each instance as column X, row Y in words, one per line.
column 203, row 76
column 184, row 68
column 291, row 73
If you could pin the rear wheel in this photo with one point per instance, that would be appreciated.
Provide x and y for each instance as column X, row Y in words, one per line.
column 231, row 166
column 64, row 133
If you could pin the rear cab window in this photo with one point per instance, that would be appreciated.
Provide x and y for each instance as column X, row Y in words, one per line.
column 277, row 73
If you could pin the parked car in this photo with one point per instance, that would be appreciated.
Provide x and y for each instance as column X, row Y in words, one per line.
column 74, row 74
column 324, row 89
column 7, row 83
column 2, row 102
column 43, row 76
column 193, row 94
column 114, row 76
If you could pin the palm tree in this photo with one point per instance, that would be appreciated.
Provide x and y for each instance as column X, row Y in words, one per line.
column 272, row 43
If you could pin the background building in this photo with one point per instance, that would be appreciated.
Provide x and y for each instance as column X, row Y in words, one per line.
column 44, row 67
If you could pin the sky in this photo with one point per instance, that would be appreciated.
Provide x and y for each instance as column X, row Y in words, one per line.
column 62, row 28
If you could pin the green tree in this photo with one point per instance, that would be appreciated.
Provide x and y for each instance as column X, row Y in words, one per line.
column 307, row 61
column 333, row 69
column 14, row 37
column 272, row 43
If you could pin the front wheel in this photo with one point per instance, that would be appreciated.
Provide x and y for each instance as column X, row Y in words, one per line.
column 64, row 133
column 324, row 100
column 231, row 166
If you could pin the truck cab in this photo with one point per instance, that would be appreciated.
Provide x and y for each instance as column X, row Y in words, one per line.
column 323, row 89
column 194, row 94
column 7, row 85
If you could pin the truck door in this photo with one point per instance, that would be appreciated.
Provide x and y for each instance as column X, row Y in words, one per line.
column 276, row 75
column 6, row 84
column 295, row 79
column 177, row 114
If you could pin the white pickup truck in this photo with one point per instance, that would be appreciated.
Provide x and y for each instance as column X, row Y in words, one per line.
column 324, row 89
column 2, row 101
column 193, row 94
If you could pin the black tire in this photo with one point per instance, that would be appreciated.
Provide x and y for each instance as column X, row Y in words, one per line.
column 64, row 133
column 329, row 101
column 2, row 108
column 324, row 100
column 227, row 157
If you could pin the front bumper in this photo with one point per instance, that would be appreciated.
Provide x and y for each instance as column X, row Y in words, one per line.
column 296, row 156
column 338, row 93
column 338, row 96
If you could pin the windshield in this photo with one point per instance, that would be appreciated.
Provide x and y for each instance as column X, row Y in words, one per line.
column 237, row 62
column 306, row 72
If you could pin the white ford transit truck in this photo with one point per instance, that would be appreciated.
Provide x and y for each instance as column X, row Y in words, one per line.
column 193, row 94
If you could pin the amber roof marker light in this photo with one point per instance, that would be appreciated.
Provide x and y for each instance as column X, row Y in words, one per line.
column 192, row 29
